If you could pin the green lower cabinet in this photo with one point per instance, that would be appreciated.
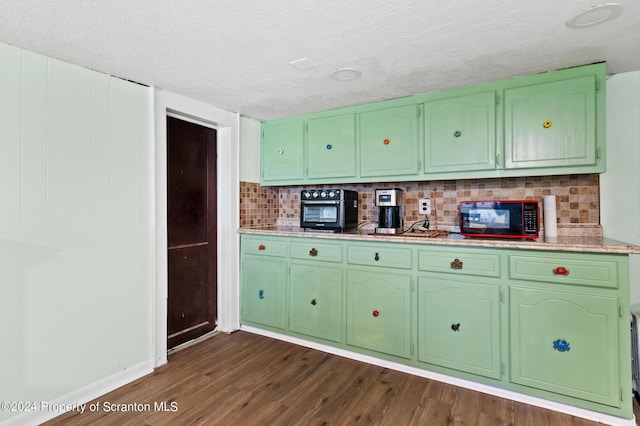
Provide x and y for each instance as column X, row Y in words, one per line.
column 379, row 312
column 459, row 325
column 551, row 325
column 566, row 343
column 264, row 285
column 315, row 301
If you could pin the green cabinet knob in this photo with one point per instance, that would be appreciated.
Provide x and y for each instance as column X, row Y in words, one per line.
column 329, row 146
column 457, row 133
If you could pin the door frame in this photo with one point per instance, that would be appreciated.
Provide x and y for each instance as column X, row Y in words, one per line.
column 227, row 125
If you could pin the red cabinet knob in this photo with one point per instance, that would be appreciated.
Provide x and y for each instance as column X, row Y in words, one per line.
column 261, row 247
column 376, row 313
column 561, row 270
column 386, row 141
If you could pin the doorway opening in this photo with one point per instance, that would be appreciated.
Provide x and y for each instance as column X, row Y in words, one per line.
column 191, row 231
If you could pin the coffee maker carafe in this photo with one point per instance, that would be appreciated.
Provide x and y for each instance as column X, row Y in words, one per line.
column 390, row 205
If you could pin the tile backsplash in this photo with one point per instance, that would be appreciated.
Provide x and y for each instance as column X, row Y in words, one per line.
column 578, row 199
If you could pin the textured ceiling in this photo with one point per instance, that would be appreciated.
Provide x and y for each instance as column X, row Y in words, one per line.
column 235, row 54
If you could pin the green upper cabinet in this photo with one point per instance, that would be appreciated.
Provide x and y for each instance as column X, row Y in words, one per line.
column 543, row 124
column 460, row 133
column 331, row 147
column 551, row 124
column 282, row 152
column 389, row 142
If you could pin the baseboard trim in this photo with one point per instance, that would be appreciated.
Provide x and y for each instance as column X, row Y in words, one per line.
column 490, row 390
column 82, row 395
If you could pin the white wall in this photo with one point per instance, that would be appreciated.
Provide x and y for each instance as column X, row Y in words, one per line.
column 76, row 192
column 249, row 150
column 620, row 185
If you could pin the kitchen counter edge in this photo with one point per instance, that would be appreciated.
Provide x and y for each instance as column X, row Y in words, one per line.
column 565, row 243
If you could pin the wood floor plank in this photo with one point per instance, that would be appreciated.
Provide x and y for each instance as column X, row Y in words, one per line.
column 247, row 379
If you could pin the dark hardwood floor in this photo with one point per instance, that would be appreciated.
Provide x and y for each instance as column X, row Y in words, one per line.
column 246, row 379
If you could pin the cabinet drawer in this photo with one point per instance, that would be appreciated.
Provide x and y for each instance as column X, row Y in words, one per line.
column 312, row 250
column 459, row 262
column 579, row 270
column 264, row 247
column 379, row 256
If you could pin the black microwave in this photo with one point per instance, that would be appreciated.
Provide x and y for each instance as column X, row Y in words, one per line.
column 500, row 219
column 329, row 209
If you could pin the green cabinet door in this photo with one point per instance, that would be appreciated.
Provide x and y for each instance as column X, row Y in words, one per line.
column 331, row 147
column 264, row 286
column 315, row 301
column 551, row 124
column 566, row 343
column 460, row 133
column 282, row 152
column 389, row 142
column 459, row 325
column 379, row 312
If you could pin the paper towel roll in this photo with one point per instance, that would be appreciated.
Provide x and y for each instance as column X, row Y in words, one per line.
column 550, row 216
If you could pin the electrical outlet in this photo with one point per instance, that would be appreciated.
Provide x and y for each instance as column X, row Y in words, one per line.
column 424, row 206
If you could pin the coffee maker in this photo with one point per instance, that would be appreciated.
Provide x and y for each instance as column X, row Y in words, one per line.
column 390, row 205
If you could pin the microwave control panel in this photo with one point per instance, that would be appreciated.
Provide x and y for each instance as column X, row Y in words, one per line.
column 530, row 218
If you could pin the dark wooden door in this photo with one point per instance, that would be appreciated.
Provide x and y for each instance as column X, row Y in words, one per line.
column 191, row 229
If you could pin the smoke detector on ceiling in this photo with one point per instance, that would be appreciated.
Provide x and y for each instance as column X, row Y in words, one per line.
column 595, row 15
column 346, row 74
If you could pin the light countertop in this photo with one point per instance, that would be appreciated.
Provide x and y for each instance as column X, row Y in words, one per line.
column 581, row 243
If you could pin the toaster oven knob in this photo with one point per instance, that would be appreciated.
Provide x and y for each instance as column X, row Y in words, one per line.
column 332, row 194
column 314, row 194
column 323, row 194
column 307, row 194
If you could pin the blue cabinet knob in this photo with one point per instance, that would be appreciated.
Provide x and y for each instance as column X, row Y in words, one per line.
column 261, row 294
column 561, row 345
column 329, row 146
